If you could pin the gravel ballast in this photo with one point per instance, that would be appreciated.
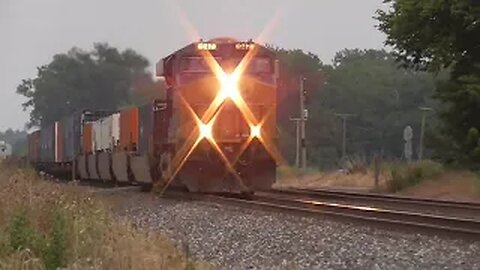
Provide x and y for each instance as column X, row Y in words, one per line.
column 230, row 237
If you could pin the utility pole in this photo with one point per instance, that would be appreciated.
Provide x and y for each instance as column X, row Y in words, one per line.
column 297, row 141
column 344, row 117
column 301, row 146
column 303, row 118
column 422, row 130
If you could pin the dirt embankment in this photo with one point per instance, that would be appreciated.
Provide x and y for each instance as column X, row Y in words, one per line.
column 454, row 185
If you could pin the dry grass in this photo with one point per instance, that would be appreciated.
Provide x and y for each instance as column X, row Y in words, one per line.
column 405, row 175
column 361, row 179
column 452, row 184
column 44, row 225
column 422, row 179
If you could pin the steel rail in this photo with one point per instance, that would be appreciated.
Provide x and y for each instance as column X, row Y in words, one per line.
column 394, row 202
column 400, row 219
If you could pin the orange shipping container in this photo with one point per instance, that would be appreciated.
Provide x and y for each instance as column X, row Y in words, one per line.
column 59, row 144
column 34, row 146
column 129, row 129
column 87, row 138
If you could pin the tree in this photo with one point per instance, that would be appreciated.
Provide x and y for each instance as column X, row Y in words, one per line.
column 382, row 98
column 99, row 79
column 436, row 35
column 367, row 83
column 295, row 64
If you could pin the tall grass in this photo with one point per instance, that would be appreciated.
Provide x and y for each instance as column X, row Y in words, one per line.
column 44, row 225
column 404, row 175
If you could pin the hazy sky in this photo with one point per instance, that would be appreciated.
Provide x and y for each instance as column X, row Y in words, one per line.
column 32, row 31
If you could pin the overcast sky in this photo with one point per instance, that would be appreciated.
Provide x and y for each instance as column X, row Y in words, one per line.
column 32, row 31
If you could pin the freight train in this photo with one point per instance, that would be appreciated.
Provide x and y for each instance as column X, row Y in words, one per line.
column 215, row 130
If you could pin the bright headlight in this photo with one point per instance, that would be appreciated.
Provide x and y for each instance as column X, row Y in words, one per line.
column 255, row 131
column 229, row 86
column 205, row 131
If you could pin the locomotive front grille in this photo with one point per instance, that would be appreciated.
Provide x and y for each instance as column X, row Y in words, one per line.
column 230, row 125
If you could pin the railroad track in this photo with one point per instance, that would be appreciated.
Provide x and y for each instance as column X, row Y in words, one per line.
column 314, row 203
column 390, row 219
column 469, row 210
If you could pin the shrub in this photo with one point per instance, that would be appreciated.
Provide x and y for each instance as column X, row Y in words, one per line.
column 287, row 172
column 20, row 232
column 355, row 164
column 54, row 254
column 405, row 175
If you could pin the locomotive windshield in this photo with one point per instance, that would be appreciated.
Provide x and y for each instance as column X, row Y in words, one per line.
column 194, row 64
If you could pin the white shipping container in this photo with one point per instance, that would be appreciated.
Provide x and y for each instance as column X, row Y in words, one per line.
column 97, row 135
column 115, row 130
column 106, row 137
column 106, row 132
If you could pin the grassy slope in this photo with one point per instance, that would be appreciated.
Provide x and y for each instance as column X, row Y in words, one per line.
column 424, row 179
column 44, row 225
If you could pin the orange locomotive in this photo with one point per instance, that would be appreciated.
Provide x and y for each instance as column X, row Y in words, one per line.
column 215, row 130
column 223, row 101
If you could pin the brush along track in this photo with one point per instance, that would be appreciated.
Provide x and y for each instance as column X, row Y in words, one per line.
column 469, row 210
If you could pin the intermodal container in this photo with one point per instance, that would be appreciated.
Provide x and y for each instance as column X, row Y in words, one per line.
column 115, row 130
column 85, row 129
column 72, row 130
column 145, row 128
column 87, row 138
column 129, row 129
column 34, row 146
column 97, row 135
column 59, row 142
column 107, row 135
column 103, row 134
column 47, row 143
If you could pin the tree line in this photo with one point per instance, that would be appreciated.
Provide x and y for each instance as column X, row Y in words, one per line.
column 101, row 79
column 379, row 97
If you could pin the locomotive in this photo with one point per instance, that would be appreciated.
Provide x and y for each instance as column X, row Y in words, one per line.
column 214, row 131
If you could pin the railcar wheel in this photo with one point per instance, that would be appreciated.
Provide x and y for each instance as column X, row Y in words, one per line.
column 163, row 167
column 248, row 195
column 165, row 160
column 146, row 187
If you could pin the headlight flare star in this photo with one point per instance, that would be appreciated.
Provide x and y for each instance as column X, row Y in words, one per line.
column 205, row 130
column 255, row 131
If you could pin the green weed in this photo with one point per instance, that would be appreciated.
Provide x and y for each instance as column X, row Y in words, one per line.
column 404, row 175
